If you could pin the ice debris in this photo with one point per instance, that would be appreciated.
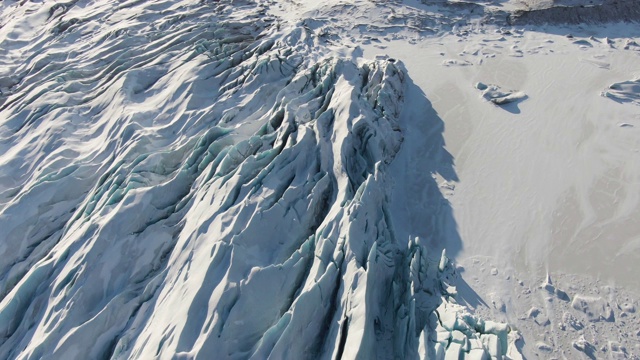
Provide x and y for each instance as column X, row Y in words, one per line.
column 497, row 96
column 586, row 347
column 460, row 335
column 596, row 308
column 551, row 289
column 571, row 320
column 617, row 351
column 624, row 92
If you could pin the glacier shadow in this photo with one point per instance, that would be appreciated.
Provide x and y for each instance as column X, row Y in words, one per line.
column 466, row 295
column 422, row 170
column 422, row 175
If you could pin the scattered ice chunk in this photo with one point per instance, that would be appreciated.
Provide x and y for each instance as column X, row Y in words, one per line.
column 624, row 92
column 500, row 38
column 542, row 320
column 494, row 94
column 498, row 304
column 596, row 308
column 512, row 351
column 443, row 260
column 583, row 44
column 631, row 44
column 533, row 312
column 617, row 351
column 562, row 295
column 475, row 336
column 547, row 284
column 572, row 321
column 628, row 307
column 544, row 347
column 583, row 345
column 456, row 62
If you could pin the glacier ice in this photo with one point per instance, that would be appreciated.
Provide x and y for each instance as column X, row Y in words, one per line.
column 199, row 180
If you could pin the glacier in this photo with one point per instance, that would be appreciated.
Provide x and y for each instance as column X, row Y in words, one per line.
column 203, row 180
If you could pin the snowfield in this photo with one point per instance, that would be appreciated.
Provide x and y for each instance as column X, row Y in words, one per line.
column 356, row 179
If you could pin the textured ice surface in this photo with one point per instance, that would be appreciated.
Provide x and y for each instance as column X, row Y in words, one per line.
column 199, row 180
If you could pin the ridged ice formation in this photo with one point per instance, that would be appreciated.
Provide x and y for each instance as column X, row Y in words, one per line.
column 192, row 179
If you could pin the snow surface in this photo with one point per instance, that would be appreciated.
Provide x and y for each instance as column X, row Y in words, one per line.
column 294, row 179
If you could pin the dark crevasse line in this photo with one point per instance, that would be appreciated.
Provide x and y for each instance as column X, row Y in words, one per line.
column 344, row 332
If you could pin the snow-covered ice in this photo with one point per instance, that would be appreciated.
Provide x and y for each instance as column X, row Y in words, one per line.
column 277, row 179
